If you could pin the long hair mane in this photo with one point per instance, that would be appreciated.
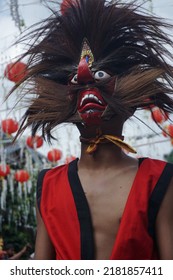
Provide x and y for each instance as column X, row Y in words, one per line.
column 124, row 40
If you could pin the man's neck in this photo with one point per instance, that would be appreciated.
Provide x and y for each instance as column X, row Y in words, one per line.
column 106, row 156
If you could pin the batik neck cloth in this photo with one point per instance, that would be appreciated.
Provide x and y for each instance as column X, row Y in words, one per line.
column 106, row 138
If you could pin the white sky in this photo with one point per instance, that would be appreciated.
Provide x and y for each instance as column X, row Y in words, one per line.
column 32, row 11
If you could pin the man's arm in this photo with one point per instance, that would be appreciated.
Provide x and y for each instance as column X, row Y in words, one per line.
column 43, row 247
column 164, row 226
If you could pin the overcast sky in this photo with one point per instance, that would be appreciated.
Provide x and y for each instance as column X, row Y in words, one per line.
column 32, row 11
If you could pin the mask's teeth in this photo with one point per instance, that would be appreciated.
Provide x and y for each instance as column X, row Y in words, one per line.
column 90, row 96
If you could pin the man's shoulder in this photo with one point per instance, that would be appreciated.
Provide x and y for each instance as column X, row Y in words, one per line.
column 153, row 162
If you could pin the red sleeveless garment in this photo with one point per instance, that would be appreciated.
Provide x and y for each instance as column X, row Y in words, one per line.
column 65, row 212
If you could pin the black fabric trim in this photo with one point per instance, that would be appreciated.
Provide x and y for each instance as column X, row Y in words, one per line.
column 86, row 229
column 39, row 186
column 140, row 160
column 157, row 197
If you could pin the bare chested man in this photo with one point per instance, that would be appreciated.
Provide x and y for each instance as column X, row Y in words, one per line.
column 107, row 178
column 96, row 64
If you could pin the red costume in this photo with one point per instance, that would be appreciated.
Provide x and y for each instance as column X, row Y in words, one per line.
column 65, row 212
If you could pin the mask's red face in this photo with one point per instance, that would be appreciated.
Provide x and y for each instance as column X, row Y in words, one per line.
column 91, row 104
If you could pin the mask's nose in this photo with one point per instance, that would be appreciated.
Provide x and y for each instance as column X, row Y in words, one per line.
column 84, row 74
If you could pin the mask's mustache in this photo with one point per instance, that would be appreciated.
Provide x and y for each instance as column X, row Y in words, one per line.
column 137, row 90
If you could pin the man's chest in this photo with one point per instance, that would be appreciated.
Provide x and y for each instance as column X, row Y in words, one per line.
column 106, row 197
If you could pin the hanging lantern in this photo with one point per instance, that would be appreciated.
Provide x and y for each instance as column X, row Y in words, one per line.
column 170, row 130
column 21, row 176
column 158, row 115
column 34, row 141
column 69, row 159
column 54, row 155
column 4, row 170
column 15, row 71
column 9, row 126
column 65, row 5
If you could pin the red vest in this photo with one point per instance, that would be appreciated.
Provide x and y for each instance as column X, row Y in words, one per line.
column 65, row 212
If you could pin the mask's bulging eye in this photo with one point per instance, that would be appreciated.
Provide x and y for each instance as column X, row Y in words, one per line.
column 74, row 79
column 101, row 75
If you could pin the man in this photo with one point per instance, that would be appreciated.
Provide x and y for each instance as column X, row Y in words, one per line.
column 94, row 65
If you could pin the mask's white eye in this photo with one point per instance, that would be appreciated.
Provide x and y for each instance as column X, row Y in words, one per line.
column 101, row 75
column 74, row 79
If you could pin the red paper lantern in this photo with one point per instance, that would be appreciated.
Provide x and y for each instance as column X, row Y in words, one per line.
column 66, row 4
column 34, row 141
column 15, row 71
column 54, row 155
column 9, row 126
column 170, row 130
column 69, row 159
column 4, row 170
column 21, row 176
column 159, row 115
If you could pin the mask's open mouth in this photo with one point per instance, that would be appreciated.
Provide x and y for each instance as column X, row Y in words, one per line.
column 91, row 100
column 91, row 105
